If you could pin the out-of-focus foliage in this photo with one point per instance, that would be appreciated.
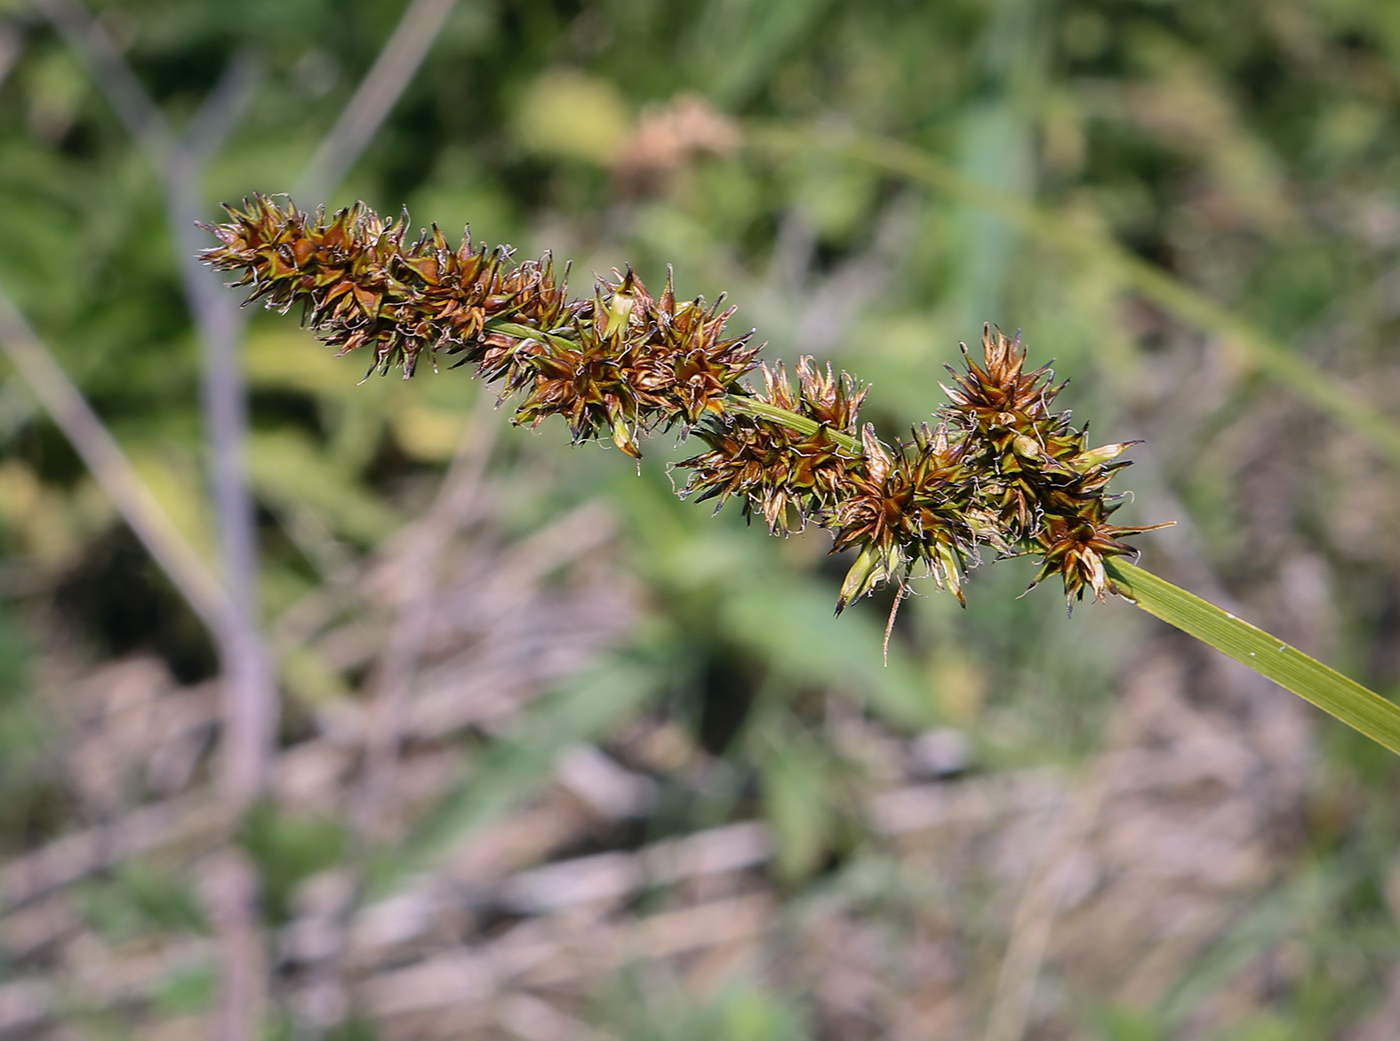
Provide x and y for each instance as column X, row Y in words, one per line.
column 1250, row 148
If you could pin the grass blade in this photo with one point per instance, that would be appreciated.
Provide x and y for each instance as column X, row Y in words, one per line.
column 1267, row 655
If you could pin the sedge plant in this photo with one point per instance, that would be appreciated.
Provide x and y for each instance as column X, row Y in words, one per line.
column 999, row 471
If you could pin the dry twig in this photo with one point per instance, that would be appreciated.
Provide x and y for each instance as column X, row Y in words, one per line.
column 112, row 470
column 375, row 97
column 249, row 685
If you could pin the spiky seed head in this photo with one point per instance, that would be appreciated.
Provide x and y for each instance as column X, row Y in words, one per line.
column 1000, row 468
column 910, row 504
column 787, row 476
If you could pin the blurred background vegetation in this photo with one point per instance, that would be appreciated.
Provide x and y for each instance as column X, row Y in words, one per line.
column 1026, row 826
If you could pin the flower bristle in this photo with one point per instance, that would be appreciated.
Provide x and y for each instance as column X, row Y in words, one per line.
column 998, row 469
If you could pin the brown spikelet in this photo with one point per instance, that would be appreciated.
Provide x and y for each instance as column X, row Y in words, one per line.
column 620, row 363
column 361, row 287
column 682, row 364
column 1001, row 467
column 1045, row 490
column 787, row 476
column 911, row 504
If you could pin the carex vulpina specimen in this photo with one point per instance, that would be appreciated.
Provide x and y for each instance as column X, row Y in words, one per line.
column 998, row 469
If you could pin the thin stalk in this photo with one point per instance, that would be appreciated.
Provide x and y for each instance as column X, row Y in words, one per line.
column 111, row 468
column 1272, row 658
column 375, row 97
column 791, row 420
column 527, row 332
column 249, row 691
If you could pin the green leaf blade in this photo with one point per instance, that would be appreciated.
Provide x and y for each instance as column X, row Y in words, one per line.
column 1272, row 658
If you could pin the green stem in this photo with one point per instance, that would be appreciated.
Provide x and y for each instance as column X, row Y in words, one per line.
column 1267, row 655
column 791, row 420
column 525, row 332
